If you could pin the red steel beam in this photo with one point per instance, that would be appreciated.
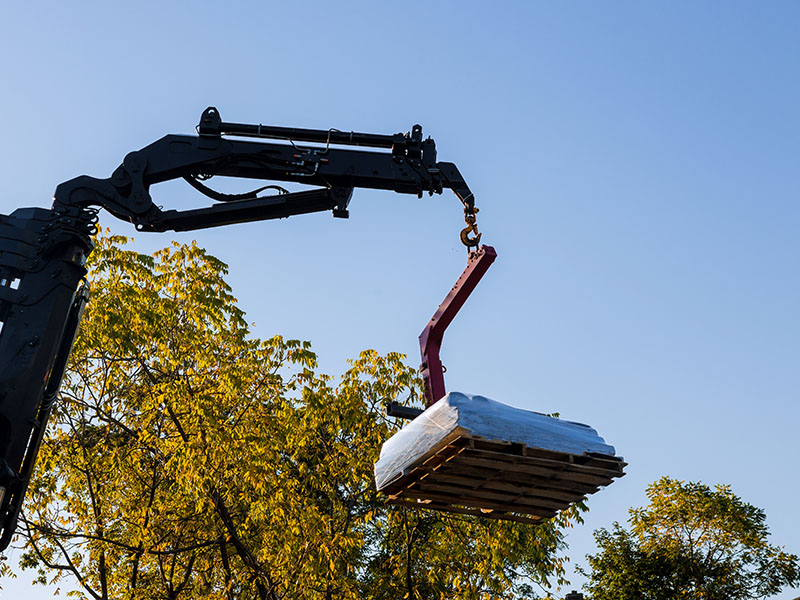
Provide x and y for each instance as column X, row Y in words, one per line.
column 430, row 340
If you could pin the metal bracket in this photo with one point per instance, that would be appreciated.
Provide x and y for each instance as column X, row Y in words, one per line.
column 430, row 340
column 397, row 410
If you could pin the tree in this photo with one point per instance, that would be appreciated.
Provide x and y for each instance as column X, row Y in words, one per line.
column 691, row 541
column 188, row 459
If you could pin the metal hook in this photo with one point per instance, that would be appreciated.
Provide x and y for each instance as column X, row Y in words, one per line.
column 472, row 227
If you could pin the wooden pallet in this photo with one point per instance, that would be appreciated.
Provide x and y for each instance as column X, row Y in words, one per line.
column 502, row 481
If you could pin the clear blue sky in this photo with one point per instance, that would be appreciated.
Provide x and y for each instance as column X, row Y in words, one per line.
column 636, row 166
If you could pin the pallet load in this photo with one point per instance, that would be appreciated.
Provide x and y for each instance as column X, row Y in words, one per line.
column 470, row 454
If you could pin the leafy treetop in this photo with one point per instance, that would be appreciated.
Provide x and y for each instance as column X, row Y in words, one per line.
column 690, row 541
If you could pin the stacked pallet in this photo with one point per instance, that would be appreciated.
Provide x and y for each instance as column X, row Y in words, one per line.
column 469, row 454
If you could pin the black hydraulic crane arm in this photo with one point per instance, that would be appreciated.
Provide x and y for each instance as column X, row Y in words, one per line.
column 408, row 166
column 42, row 252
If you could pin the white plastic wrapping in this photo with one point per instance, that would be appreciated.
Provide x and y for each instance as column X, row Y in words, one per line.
column 476, row 417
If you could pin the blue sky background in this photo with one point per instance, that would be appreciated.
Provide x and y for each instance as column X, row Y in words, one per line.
column 636, row 166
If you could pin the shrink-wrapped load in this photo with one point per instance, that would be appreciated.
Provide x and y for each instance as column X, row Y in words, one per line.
column 470, row 454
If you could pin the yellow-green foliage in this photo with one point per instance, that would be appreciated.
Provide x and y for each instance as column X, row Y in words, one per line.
column 188, row 459
column 690, row 542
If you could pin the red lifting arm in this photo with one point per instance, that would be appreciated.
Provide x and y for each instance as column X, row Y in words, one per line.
column 430, row 340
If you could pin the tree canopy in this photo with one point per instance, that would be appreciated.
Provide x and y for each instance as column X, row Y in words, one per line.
column 187, row 459
column 690, row 541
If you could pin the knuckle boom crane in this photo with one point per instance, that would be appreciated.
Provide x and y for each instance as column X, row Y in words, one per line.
column 480, row 469
column 43, row 251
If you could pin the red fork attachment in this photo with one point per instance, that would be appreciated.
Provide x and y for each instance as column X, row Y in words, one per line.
column 430, row 340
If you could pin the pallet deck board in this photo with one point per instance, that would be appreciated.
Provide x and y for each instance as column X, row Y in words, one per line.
column 484, row 475
column 512, row 498
column 503, row 485
column 457, row 499
column 548, row 463
column 488, row 514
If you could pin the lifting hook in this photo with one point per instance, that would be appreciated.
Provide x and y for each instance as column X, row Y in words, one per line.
column 472, row 227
